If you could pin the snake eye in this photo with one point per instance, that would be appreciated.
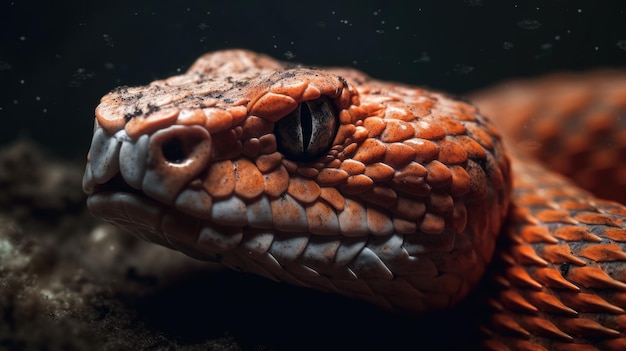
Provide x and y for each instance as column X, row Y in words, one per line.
column 308, row 131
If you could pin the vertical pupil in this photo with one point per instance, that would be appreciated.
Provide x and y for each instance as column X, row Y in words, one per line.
column 306, row 123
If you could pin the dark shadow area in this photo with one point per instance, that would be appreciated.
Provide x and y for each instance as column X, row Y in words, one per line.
column 263, row 315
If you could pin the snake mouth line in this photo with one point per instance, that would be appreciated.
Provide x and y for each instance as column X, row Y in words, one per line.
column 117, row 184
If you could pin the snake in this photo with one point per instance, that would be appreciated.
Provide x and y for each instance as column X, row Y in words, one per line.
column 406, row 198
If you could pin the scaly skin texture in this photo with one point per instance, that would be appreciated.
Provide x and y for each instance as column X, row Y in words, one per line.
column 574, row 124
column 391, row 194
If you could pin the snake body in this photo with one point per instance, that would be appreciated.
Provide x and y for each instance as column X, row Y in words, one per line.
column 329, row 179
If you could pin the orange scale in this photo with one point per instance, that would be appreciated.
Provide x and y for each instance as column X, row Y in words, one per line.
column 356, row 113
column 267, row 163
column 380, row 195
column 273, row 107
column 239, row 113
column 294, row 89
column 220, row 179
column 439, row 175
column 344, row 132
column 374, row 111
column 249, row 182
column 217, row 120
column 457, row 220
column 451, row 152
column 331, row 177
column 432, row 224
column 440, row 202
column 409, row 209
column 473, row 149
column 403, row 226
column 311, row 93
column 322, row 219
column 451, row 125
column 399, row 155
column 460, row 181
column 276, row 182
column 345, row 98
column 480, row 136
column 251, row 147
column 352, row 167
column 379, row 172
column 111, row 118
column 255, row 127
column 151, row 123
column 267, row 144
column 353, row 219
column 603, row 253
column 425, row 150
column 360, row 134
column 378, row 223
column 374, row 125
column 397, row 130
column 398, row 112
column 599, row 219
column 303, row 190
column 357, row 184
column 333, row 197
column 370, row 151
column 349, row 151
column 191, row 117
column 427, row 128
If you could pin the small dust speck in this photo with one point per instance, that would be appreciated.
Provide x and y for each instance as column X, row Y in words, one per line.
column 474, row 2
column 78, row 77
column 507, row 45
column 529, row 24
column 4, row 66
column 108, row 40
column 22, row 38
column 462, row 69
column 289, row 55
column 424, row 57
column 621, row 44
column 109, row 65
column 380, row 31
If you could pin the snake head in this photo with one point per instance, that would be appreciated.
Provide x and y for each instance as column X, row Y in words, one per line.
column 368, row 189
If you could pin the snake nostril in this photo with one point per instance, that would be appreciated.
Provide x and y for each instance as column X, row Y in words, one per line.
column 176, row 157
column 175, row 151
column 181, row 147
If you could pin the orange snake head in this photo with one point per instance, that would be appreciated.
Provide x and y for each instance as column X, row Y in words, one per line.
column 321, row 178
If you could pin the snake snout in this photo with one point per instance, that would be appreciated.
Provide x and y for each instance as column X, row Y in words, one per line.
column 176, row 156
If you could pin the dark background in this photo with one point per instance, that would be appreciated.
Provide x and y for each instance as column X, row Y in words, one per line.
column 57, row 58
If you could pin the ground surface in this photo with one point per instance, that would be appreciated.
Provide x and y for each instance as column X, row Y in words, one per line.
column 70, row 282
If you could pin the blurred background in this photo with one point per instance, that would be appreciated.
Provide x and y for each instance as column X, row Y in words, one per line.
column 58, row 58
